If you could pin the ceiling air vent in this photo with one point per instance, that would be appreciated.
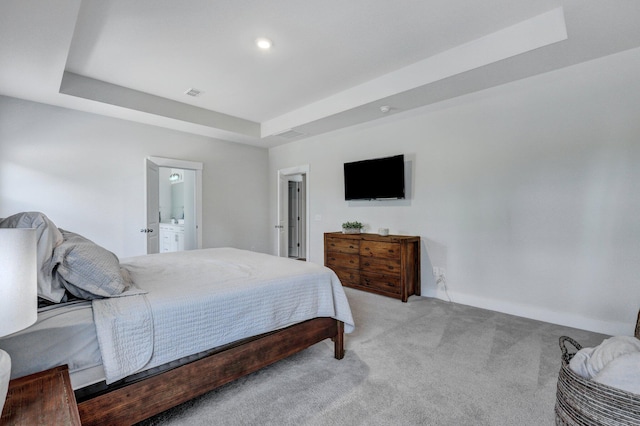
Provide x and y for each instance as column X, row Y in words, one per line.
column 289, row 134
column 193, row 92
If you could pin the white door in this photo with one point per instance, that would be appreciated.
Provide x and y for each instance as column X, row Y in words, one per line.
column 153, row 209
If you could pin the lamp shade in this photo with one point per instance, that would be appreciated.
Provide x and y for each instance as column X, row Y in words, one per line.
column 18, row 279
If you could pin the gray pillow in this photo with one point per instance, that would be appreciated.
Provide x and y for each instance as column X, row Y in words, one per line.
column 86, row 269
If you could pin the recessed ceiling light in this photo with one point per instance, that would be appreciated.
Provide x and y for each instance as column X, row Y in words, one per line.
column 264, row 43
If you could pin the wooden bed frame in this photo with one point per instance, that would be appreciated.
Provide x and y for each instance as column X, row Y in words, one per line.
column 140, row 400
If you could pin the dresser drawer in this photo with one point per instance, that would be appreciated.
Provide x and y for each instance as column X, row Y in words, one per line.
column 341, row 245
column 348, row 277
column 380, row 249
column 342, row 260
column 380, row 265
column 380, row 282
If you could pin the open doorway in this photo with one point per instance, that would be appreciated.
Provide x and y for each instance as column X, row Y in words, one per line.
column 174, row 205
column 296, row 201
column 177, row 214
column 293, row 213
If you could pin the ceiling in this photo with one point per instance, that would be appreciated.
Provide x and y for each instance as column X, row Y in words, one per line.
column 333, row 63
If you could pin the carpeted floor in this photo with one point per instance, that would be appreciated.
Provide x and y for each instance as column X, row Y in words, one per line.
column 425, row 362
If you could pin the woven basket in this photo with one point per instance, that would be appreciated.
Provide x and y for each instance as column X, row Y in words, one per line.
column 584, row 402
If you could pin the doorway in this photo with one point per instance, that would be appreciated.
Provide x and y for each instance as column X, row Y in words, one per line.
column 292, row 229
column 174, row 205
column 296, row 217
column 177, row 209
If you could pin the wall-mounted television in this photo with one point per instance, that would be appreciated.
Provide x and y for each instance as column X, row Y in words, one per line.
column 375, row 179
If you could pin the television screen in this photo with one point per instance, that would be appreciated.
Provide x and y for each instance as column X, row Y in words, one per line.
column 380, row 178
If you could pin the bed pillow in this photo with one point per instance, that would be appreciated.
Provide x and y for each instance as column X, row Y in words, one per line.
column 48, row 237
column 86, row 269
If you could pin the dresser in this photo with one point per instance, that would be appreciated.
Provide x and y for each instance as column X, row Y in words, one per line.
column 386, row 265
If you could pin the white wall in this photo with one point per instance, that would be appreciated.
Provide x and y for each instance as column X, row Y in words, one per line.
column 86, row 172
column 526, row 193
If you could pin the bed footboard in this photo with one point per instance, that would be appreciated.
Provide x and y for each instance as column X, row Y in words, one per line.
column 143, row 399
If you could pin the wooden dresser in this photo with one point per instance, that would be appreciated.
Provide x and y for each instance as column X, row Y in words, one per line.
column 388, row 265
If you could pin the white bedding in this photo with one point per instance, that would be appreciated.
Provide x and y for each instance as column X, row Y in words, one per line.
column 63, row 334
column 201, row 299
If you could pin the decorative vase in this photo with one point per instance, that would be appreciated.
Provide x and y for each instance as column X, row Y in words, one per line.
column 350, row 230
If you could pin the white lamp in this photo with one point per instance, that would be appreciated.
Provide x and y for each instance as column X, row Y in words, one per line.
column 18, row 290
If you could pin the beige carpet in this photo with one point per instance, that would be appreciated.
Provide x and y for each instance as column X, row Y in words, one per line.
column 425, row 362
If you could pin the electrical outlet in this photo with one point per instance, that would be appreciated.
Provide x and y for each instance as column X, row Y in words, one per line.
column 438, row 271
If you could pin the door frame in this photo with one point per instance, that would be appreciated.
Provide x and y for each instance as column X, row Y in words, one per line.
column 282, row 205
column 197, row 168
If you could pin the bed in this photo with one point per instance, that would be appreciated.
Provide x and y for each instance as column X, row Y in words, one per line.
column 178, row 325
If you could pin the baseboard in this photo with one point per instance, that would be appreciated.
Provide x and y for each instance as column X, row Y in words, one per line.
column 611, row 328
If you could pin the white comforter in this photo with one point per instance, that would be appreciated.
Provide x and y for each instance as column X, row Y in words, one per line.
column 197, row 300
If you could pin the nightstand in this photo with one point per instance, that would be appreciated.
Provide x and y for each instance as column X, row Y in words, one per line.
column 44, row 398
